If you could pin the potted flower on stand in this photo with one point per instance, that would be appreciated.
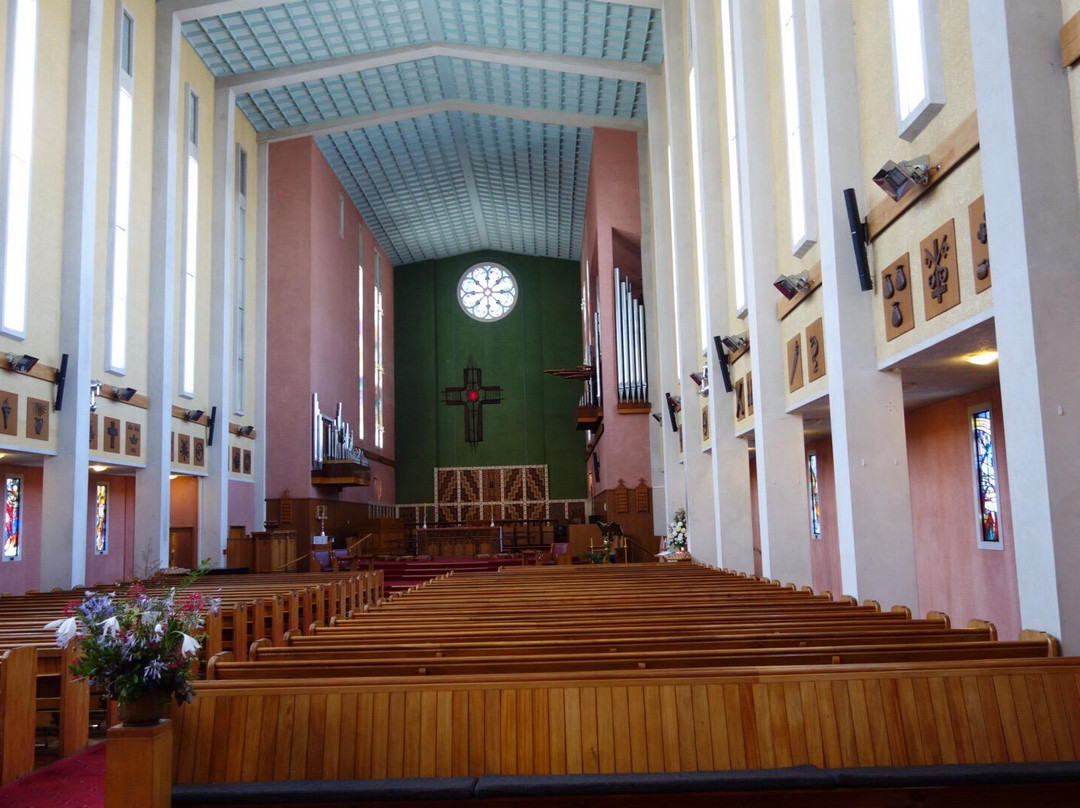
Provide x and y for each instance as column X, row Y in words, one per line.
column 137, row 649
column 676, row 537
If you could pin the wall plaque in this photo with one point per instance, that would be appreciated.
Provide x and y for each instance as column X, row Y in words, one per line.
column 980, row 247
column 941, row 286
column 200, row 452
column 37, row 418
column 749, row 393
column 705, row 436
column 132, row 439
column 236, row 459
column 111, row 436
column 183, row 448
column 9, row 413
column 172, row 447
column 93, row 431
column 247, row 462
column 815, row 350
column 740, row 399
column 794, row 363
column 895, row 288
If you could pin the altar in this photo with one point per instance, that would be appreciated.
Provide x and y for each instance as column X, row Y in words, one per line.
column 459, row 540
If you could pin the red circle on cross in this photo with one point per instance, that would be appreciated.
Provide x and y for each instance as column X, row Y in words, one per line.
column 472, row 395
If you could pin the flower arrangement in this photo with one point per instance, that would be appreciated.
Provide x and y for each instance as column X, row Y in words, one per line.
column 136, row 645
column 676, row 533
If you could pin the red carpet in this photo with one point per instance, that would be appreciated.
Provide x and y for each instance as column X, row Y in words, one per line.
column 75, row 782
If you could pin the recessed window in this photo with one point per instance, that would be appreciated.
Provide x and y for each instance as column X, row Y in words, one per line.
column 919, row 85
column 360, row 336
column 101, row 519
column 815, row 499
column 191, row 244
column 987, row 511
column 240, row 287
column 731, row 125
column 117, row 281
column 796, row 113
column 12, row 518
column 341, row 216
column 20, row 112
column 487, row 292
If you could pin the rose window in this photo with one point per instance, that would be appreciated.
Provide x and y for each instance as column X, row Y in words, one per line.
column 487, row 292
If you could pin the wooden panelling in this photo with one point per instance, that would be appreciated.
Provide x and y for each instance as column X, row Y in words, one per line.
column 932, row 714
column 1069, row 41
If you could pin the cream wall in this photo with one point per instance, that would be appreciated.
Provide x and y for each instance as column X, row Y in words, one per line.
column 948, row 199
column 46, row 223
column 194, row 74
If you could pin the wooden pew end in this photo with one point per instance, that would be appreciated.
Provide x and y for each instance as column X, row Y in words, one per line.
column 941, row 617
column 211, row 664
column 987, row 625
column 1053, row 644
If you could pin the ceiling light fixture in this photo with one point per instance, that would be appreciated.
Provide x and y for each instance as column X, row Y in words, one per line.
column 982, row 358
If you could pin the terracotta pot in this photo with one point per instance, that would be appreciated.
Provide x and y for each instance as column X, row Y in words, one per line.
column 145, row 711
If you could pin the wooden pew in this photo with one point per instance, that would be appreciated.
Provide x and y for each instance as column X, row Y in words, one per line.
column 17, row 722
column 658, row 721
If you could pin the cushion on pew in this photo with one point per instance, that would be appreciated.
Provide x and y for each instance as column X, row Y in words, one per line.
column 795, row 777
column 956, row 774
column 349, row 792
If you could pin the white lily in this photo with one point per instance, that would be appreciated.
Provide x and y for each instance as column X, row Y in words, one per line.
column 190, row 645
column 110, row 626
column 65, row 628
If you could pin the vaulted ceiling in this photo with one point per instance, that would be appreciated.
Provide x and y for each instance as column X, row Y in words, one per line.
column 454, row 125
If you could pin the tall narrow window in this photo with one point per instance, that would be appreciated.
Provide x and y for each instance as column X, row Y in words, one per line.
column 117, row 292
column 730, row 124
column 341, row 216
column 379, row 425
column 698, row 183
column 240, row 287
column 360, row 336
column 918, row 81
column 800, row 175
column 101, row 519
column 12, row 518
column 988, row 523
column 191, row 242
column 22, row 39
column 815, row 500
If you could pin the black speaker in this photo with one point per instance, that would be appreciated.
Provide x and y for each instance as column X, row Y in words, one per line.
column 858, row 239
column 721, row 358
column 61, row 380
column 671, row 412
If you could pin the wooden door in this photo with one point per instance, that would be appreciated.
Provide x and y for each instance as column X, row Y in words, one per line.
column 182, row 547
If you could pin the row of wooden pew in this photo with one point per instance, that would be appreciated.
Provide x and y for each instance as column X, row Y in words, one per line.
column 34, row 677
column 624, row 668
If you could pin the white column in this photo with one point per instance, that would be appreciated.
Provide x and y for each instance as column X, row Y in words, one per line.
column 783, row 512
column 152, row 485
column 697, row 466
column 873, row 502
column 730, row 460
column 667, row 371
column 1033, row 213
column 652, row 361
column 214, row 526
column 258, row 449
column 66, row 476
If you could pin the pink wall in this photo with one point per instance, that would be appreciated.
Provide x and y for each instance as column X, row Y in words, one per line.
column 119, row 561
column 312, row 310
column 18, row 576
column 242, row 505
column 613, row 204
column 825, row 551
column 954, row 575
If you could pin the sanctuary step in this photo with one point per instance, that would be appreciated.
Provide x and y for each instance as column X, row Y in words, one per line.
column 400, row 575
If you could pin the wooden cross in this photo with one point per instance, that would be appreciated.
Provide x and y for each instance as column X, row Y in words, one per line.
column 473, row 395
column 113, row 432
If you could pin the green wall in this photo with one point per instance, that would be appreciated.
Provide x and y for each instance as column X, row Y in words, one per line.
column 433, row 340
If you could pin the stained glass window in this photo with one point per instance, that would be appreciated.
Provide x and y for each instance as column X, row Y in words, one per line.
column 815, row 500
column 101, row 520
column 487, row 292
column 982, row 432
column 12, row 518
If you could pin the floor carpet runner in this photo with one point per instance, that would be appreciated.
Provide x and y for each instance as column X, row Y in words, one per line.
column 74, row 782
